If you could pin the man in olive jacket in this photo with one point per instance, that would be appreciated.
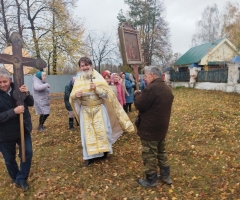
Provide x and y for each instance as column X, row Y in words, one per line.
column 154, row 105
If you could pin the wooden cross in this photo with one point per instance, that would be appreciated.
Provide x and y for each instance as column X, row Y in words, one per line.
column 18, row 62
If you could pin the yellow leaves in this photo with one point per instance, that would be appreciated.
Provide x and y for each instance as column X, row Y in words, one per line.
column 170, row 191
column 194, row 178
column 22, row 195
column 203, row 157
column 110, row 181
column 40, row 195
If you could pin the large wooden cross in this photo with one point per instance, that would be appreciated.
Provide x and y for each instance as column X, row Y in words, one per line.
column 18, row 62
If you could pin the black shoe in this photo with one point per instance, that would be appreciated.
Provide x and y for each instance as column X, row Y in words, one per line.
column 23, row 185
column 88, row 162
column 165, row 175
column 105, row 155
column 40, row 128
column 71, row 128
column 150, row 181
column 165, row 179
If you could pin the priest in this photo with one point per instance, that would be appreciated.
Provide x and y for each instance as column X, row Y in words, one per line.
column 102, row 118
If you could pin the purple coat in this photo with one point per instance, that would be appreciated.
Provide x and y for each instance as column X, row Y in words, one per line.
column 41, row 95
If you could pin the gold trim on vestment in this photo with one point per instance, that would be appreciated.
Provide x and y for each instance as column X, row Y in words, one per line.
column 91, row 102
column 115, row 111
column 94, row 130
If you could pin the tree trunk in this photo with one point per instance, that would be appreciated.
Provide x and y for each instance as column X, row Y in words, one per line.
column 31, row 20
column 7, row 36
column 19, row 17
column 54, row 43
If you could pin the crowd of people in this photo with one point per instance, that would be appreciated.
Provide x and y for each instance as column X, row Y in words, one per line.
column 123, row 85
column 99, row 103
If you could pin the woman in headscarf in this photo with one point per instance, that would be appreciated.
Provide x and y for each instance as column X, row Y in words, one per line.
column 107, row 78
column 41, row 95
column 120, row 91
column 122, row 81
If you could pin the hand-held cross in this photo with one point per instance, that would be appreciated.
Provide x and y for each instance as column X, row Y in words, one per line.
column 18, row 61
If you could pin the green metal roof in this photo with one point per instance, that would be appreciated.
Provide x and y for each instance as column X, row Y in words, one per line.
column 195, row 54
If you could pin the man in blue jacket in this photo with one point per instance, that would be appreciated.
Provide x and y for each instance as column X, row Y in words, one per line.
column 10, row 130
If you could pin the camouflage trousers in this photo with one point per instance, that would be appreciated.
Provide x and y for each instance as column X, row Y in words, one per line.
column 153, row 155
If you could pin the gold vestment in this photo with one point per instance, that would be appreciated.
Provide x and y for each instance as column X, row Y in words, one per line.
column 92, row 112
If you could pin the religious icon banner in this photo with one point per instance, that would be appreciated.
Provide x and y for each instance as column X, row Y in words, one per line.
column 130, row 45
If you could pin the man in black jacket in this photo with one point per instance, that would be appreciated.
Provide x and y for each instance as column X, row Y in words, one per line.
column 10, row 130
column 154, row 105
column 67, row 92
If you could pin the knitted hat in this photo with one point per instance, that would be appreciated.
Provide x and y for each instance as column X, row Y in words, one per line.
column 39, row 75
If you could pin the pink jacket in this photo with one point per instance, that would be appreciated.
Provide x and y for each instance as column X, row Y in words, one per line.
column 120, row 91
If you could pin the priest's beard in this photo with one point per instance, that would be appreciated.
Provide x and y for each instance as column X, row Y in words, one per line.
column 87, row 74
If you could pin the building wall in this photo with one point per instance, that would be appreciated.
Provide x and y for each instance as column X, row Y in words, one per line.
column 57, row 82
column 231, row 86
column 223, row 53
column 225, row 87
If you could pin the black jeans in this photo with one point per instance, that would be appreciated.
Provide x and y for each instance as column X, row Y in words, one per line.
column 127, row 107
column 43, row 118
column 8, row 149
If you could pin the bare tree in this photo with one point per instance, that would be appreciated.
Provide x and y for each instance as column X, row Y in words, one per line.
column 6, row 31
column 48, row 27
column 208, row 28
column 231, row 23
column 101, row 49
column 36, row 12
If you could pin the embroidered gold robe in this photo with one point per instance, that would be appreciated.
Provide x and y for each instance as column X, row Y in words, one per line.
column 101, row 123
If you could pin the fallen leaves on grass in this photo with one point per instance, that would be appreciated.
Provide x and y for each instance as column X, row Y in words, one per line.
column 203, row 143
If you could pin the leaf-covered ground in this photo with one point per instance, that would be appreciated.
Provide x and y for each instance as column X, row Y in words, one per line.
column 203, row 145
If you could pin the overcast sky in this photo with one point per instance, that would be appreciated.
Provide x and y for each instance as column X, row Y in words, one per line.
column 101, row 16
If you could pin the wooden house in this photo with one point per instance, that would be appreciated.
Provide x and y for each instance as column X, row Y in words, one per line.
column 211, row 55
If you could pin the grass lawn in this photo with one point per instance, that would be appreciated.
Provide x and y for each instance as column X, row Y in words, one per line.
column 203, row 145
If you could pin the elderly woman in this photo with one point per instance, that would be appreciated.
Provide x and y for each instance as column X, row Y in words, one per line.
column 120, row 92
column 122, row 81
column 107, row 78
column 41, row 95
